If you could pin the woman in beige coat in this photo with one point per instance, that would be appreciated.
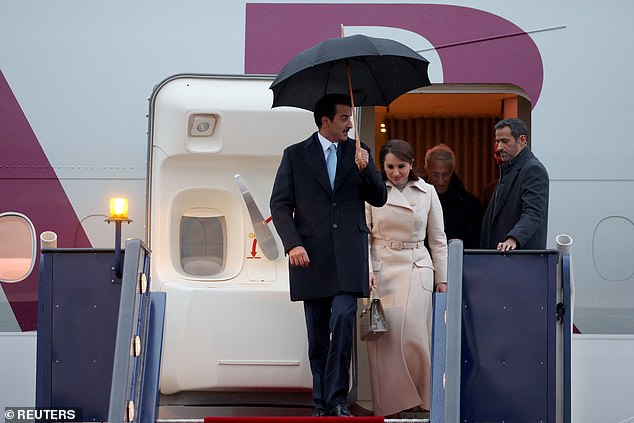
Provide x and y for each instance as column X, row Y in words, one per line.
column 405, row 275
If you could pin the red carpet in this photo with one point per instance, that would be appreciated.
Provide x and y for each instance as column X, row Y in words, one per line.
column 292, row 419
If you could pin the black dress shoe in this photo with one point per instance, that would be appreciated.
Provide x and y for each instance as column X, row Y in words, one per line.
column 319, row 412
column 340, row 410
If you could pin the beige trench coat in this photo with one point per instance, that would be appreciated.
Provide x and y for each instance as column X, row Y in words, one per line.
column 400, row 360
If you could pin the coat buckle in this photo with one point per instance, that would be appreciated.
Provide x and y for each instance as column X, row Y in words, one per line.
column 396, row 245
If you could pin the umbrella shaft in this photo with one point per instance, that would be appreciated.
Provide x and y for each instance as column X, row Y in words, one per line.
column 354, row 113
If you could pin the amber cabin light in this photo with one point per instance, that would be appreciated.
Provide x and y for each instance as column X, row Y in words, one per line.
column 118, row 208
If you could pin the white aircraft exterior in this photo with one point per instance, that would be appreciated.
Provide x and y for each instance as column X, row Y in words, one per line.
column 76, row 127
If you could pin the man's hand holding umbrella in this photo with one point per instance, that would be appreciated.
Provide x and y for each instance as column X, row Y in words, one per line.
column 361, row 159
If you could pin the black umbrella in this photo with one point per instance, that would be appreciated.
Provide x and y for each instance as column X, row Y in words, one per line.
column 378, row 70
column 374, row 71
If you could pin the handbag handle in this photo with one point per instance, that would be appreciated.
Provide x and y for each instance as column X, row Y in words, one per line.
column 374, row 293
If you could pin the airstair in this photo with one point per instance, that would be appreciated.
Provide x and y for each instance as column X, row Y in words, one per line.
column 501, row 339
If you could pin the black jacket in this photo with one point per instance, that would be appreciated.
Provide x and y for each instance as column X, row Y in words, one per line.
column 329, row 224
column 519, row 207
column 462, row 213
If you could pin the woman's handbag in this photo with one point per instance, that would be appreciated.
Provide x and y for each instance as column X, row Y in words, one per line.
column 372, row 321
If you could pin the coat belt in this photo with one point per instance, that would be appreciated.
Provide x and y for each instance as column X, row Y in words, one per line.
column 399, row 245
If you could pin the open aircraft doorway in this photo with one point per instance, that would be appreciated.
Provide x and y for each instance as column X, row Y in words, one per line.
column 459, row 115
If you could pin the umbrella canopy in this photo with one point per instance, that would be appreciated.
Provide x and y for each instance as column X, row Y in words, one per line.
column 378, row 70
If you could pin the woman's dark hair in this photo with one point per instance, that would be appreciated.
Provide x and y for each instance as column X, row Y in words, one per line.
column 401, row 149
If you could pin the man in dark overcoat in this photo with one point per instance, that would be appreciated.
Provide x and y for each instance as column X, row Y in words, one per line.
column 461, row 210
column 323, row 229
column 517, row 214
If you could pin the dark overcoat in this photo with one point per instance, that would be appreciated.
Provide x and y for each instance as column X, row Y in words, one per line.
column 519, row 206
column 329, row 224
column 462, row 213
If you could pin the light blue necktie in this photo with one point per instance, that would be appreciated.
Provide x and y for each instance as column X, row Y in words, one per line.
column 331, row 164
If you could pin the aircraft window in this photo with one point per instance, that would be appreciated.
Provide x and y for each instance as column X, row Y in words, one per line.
column 203, row 235
column 18, row 247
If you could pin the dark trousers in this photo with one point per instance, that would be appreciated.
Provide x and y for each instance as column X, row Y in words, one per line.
column 330, row 325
